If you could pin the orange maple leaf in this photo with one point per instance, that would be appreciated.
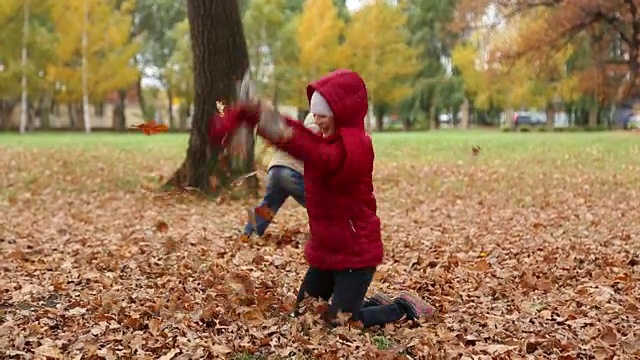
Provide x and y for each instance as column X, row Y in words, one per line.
column 150, row 128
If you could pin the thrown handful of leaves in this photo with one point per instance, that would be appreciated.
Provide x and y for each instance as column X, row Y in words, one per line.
column 270, row 123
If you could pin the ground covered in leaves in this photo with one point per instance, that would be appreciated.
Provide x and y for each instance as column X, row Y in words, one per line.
column 530, row 249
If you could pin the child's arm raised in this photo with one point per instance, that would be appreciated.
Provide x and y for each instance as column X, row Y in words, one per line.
column 291, row 136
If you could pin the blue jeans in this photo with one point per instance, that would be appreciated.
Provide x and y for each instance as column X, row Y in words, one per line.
column 282, row 182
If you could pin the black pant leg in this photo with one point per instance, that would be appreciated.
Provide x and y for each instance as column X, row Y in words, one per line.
column 349, row 292
column 317, row 284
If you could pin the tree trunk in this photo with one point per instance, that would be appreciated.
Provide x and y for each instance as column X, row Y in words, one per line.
column 85, row 68
column 433, row 121
column 219, row 61
column 379, row 114
column 551, row 114
column 6, row 110
column 72, row 115
column 45, row 113
column 143, row 109
column 31, row 117
column 119, row 117
column 25, row 36
column 464, row 121
column 593, row 117
column 406, row 123
column 185, row 110
column 170, row 107
column 367, row 125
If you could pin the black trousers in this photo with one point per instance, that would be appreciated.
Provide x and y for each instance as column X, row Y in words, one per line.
column 348, row 289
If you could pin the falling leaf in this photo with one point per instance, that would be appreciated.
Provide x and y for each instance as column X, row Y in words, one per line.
column 150, row 128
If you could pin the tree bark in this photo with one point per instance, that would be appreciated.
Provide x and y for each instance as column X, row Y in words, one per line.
column 593, row 117
column 170, row 107
column 6, row 110
column 119, row 117
column 219, row 61
column 551, row 113
column 44, row 110
column 25, row 37
column 464, row 121
column 85, row 68
column 71, row 108
column 433, row 120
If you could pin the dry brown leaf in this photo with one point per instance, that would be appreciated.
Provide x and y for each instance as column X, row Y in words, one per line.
column 220, row 349
column 170, row 354
column 609, row 336
column 537, row 259
column 482, row 265
column 162, row 226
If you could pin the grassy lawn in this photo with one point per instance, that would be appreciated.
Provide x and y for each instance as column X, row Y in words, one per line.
column 530, row 248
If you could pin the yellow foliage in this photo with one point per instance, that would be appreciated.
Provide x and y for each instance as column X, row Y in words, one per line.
column 319, row 34
column 376, row 47
column 501, row 77
column 109, row 49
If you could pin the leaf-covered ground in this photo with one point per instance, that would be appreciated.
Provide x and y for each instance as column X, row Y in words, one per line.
column 529, row 250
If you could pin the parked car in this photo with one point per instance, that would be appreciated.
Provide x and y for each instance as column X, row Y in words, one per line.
column 525, row 118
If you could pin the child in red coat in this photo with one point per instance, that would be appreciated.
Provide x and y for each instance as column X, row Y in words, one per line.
column 345, row 246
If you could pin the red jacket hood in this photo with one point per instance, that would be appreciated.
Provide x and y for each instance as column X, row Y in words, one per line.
column 346, row 94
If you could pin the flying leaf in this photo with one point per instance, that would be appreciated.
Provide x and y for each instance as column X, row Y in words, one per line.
column 150, row 128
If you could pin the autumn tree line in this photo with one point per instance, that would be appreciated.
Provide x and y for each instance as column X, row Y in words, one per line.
column 477, row 60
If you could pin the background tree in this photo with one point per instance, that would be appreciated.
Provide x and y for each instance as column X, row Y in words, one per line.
column 219, row 61
column 376, row 46
column 608, row 30
column 178, row 72
column 108, row 49
column 318, row 39
column 39, row 46
column 436, row 85
column 154, row 19
column 270, row 34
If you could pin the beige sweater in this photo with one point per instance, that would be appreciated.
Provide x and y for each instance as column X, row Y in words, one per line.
column 281, row 158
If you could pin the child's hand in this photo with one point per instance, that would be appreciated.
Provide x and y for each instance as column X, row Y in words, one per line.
column 271, row 125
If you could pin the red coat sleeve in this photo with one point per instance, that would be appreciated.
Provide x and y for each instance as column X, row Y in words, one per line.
column 220, row 126
column 325, row 157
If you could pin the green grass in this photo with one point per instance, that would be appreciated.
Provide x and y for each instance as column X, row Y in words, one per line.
column 444, row 144
column 597, row 149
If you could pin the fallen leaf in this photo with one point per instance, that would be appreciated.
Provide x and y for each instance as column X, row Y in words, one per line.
column 220, row 349
column 170, row 354
column 609, row 336
column 482, row 265
column 162, row 226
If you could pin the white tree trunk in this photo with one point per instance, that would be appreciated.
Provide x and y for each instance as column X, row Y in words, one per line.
column 85, row 70
column 369, row 118
column 25, row 36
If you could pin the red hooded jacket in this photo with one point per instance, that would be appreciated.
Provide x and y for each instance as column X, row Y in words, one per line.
column 345, row 230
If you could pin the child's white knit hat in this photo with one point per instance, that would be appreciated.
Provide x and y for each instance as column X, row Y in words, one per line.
column 319, row 106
